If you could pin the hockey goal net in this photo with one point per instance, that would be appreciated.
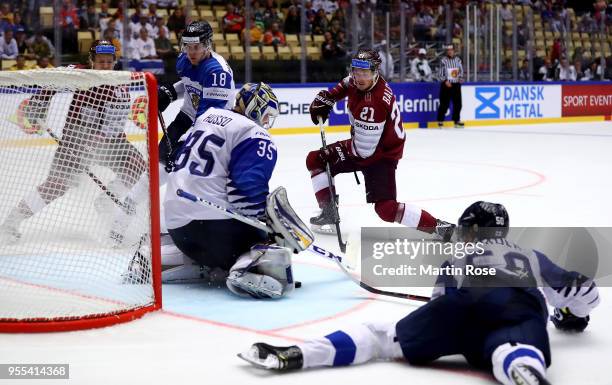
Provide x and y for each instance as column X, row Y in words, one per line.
column 79, row 206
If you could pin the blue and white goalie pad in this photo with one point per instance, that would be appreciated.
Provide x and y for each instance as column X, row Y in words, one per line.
column 289, row 230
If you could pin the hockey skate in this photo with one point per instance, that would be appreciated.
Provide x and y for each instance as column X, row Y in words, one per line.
column 527, row 375
column 9, row 234
column 459, row 125
column 445, row 230
column 138, row 271
column 324, row 222
column 270, row 357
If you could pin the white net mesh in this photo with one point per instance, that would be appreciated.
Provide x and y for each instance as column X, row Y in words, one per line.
column 74, row 194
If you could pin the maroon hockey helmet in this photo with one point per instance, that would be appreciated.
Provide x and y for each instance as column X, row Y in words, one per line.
column 366, row 59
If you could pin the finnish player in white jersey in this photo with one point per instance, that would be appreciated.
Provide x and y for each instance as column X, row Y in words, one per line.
column 227, row 158
column 206, row 80
column 497, row 322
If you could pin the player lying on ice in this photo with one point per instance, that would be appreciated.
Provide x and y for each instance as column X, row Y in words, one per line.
column 227, row 158
column 501, row 329
column 375, row 147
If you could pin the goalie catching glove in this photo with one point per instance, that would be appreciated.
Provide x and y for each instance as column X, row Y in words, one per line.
column 289, row 230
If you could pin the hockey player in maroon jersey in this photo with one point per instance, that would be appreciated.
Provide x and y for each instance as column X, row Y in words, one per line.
column 375, row 147
column 92, row 134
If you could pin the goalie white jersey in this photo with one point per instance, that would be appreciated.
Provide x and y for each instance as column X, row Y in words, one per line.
column 225, row 158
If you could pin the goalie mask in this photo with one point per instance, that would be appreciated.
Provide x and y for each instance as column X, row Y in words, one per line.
column 290, row 230
column 258, row 103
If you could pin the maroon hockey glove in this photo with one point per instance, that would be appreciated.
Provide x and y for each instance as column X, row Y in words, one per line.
column 321, row 106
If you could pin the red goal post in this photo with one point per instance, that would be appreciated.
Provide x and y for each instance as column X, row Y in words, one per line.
column 79, row 199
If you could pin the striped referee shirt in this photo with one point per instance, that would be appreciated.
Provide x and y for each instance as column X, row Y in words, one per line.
column 451, row 69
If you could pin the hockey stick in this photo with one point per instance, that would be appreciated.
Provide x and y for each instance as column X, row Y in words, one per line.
column 312, row 248
column 333, row 197
column 169, row 162
column 128, row 210
column 252, row 222
column 324, row 253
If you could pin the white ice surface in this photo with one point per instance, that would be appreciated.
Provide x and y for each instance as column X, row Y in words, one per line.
column 557, row 174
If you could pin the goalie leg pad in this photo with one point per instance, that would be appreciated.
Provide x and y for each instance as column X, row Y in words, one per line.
column 263, row 272
column 290, row 230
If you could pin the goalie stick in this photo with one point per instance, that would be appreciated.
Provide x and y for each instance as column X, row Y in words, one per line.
column 312, row 248
column 334, row 199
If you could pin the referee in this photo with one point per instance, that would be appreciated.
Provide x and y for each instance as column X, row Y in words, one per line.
column 450, row 74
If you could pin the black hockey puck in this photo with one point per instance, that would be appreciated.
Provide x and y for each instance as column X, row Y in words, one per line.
column 298, row 284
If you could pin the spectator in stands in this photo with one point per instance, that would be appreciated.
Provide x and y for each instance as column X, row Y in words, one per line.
column 163, row 46
column 143, row 24
column 274, row 36
column 69, row 20
column 320, row 24
column 579, row 71
column 335, row 28
column 20, row 65
column 91, row 19
column 566, row 71
column 17, row 23
column 40, row 45
column 557, row 23
column 546, row 72
column 341, row 42
column 233, row 22
column 341, row 17
column 152, row 15
column 292, row 21
column 176, row 21
column 419, row 67
column 145, row 45
column 8, row 45
column 311, row 14
column 135, row 18
column 6, row 16
column 330, row 49
column 271, row 14
column 161, row 24
column 505, row 11
column 423, row 23
column 255, row 33
column 22, row 45
column 109, row 35
column 524, row 73
column 115, row 27
column 131, row 49
column 329, row 6
column 43, row 62
column 258, row 13
column 103, row 14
